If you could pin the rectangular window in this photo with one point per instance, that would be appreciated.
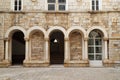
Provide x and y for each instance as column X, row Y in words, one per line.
column 51, row 7
column 51, row 4
column 95, row 5
column 95, row 46
column 61, row 7
column 62, row 4
column 51, row 1
column 17, row 5
column 98, row 57
column 55, row 5
column 91, row 57
column 62, row 1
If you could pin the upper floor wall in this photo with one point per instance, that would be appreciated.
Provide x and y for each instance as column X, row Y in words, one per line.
column 59, row 5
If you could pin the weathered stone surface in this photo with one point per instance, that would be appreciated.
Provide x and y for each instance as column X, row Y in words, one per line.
column 37, row 46
column 2, row 50
column 57, row 19
column 78, row 13
column 75, row 46
column 114, row 50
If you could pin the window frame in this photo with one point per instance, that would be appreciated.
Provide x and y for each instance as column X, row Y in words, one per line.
column 57, row 4
column 51, row 3
column 99, row 5
column 94, row 46
column 13, row 6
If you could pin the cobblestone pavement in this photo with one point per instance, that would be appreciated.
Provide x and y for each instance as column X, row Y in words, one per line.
column 59, row 73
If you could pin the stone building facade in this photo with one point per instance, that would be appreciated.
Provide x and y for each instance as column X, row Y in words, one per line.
column 76, row 33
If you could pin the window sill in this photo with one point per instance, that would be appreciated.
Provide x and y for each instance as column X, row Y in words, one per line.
column 92, row 12
column 56, row 11
column 97, row 11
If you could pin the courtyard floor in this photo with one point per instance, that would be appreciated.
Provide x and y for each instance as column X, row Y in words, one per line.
column 59, row 73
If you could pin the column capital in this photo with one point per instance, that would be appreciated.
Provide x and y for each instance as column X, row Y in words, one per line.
column 26, row 39
column 7, row 39
column 105, row 39
column 46, row 39
column 86, row 39
column 66, row 39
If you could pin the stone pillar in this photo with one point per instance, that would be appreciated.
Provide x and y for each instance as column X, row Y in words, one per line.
column 86, row 49
column 106, row 61
column 67, row 52
column 26, row 49
column 47, row 50
column 105, row 49
column 7, row 49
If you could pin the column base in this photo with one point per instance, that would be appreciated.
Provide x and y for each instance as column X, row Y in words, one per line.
column 5, row 63
column 108, row 63
column 116, row 63
column 82, row 63
column 35, row 64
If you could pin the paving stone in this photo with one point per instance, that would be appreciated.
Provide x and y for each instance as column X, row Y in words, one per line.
column 59, row 73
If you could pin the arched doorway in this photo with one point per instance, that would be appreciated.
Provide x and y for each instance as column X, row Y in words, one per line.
column 95, row 47
column 18, row 48
column 56, row 47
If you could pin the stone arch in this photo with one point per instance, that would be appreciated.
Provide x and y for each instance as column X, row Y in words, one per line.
column 76, row 28
column 36, row 28
column 104, row 54
column 98, row 28
column 76, row 35
column 9, row 37
column 13, row 29
column 17, row 44
column 37, row 45
column 56, row 28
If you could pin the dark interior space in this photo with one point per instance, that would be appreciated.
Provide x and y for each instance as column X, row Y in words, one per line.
column 57, row 47
column 18, row 48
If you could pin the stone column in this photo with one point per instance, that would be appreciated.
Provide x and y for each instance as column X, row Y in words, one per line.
column 105, row 49
column 106, row 61
column 86, row 49
column 46, row 50
column 26, row 49
column 67, row 52
column 7, row 49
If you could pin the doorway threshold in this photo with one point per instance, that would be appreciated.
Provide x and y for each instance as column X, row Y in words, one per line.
column 16, row 66
column 57, row 66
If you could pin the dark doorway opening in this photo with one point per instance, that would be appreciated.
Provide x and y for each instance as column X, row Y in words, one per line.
column 18, row 48
column 57, row 47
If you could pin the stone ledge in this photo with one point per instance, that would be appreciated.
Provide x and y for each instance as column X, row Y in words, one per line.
column 66, row 11
column 108, row 63
column 83, row 63
column 117, row 64
column 4, row 64
column 35, row 64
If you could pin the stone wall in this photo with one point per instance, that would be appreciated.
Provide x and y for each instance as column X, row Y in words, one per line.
column 75, row 46
column 109, row 21
column 1, row 37
column 1, row 50
column 114, row 35
column 73, row 5
column 5, row 5
column 36, row 5
column 37, row 46
column 78, row 14
column 57, row 19
column 79, row 19
column 114, row 50
column 79, row 5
